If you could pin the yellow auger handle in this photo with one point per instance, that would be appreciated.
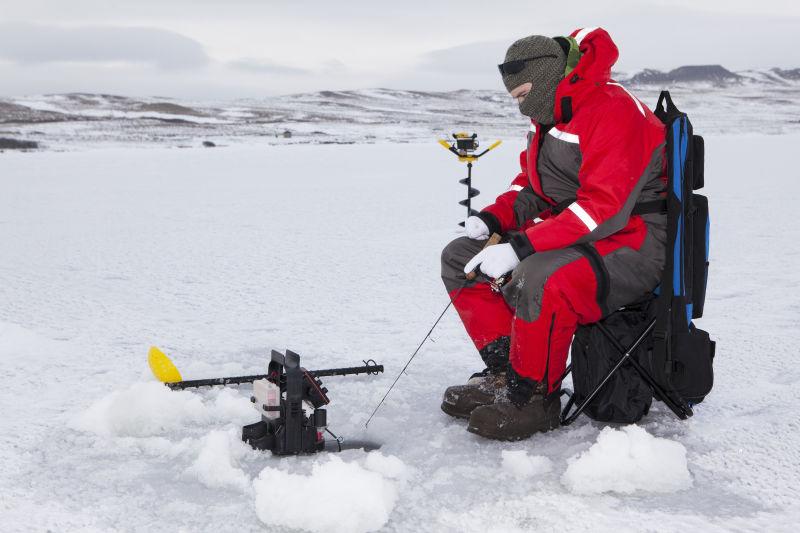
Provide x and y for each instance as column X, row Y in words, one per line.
column 445, row 144
column 494, row 239
column 494, row 145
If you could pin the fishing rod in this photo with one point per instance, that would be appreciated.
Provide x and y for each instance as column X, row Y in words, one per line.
column 496, row 285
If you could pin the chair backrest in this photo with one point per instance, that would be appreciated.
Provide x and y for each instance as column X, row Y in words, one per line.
column 682, row 353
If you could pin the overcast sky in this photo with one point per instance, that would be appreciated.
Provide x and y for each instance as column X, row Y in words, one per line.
column 249, row 48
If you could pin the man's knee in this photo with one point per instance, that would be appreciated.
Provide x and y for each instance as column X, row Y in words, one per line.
column 529, row 280
column 454, row 256
column 459, row 251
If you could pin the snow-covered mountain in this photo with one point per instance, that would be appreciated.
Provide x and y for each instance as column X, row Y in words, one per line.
column 715, row 75
column 718, row 100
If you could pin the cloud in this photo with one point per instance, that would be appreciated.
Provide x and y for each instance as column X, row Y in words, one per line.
column 706, row 38
column 472, row 65
column 25, row 43
column 258, row 66
column 465, row 57
column 88, row 45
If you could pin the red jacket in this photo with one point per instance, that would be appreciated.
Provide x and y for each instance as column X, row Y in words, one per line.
column 605, row 152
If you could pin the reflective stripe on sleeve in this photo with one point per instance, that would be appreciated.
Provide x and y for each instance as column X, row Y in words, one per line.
column 581, row 213
column 516, row 188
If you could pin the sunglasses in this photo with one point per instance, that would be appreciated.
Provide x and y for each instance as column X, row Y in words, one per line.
column 516, row 66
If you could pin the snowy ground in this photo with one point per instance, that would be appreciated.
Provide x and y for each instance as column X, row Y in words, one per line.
column 333, row 251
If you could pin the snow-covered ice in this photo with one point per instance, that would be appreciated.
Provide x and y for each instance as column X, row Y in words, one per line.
column 520, row 464
column 626, row 461
column 218, row 256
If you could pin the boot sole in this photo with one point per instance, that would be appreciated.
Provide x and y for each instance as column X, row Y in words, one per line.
column 473, row 429
column 448, row 409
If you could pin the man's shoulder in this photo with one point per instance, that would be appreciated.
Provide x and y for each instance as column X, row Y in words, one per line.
column 613, row 102
column 613, row 96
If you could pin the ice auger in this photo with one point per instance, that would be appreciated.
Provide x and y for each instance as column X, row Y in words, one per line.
column 465, row 147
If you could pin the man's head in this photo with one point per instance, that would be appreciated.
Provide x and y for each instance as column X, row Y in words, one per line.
column 532, row 69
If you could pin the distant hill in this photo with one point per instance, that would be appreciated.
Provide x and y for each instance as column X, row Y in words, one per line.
column 793, row 74
column 715, row 75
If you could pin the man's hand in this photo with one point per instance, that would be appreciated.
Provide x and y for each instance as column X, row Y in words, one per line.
column 476, row 228
column 494, row 260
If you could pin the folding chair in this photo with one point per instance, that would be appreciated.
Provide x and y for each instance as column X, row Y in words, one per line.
column 674, row 357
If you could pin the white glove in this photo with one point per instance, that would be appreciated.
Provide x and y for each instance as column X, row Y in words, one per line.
column 476, row 228
column 494, row 260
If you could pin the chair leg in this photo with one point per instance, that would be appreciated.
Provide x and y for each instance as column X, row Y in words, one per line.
column 679, row 408
column 563, row 376
column 566, row 418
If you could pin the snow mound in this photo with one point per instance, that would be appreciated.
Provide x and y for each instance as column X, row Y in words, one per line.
column 522, row 465
column 628, row 460
column 217, row 464
column 336, row 497
column 142, row 410
column 386, row 465
column 148, row 409
column 231, row 405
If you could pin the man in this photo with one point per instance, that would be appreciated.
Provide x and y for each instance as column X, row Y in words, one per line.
column 582, row 224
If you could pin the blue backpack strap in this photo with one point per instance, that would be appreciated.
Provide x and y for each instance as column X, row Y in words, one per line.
column 671, row 312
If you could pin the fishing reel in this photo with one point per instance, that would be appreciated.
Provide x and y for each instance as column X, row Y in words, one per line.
column 465, row 147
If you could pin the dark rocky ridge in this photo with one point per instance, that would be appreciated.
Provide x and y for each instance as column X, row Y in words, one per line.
column 791, row 74
column 170, row 109
column 15, row 113
column 17, row 144
column 715, row 74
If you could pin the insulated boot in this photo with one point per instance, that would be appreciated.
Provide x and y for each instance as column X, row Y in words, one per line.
column 483, row 387
column 460, row 400
column 506, row 421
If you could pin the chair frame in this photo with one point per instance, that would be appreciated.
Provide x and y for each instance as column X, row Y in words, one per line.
column 678, row 406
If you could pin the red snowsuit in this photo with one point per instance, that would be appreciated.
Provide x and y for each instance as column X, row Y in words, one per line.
column 584, row 251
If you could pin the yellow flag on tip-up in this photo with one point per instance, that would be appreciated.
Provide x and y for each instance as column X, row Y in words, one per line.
column 161, row 366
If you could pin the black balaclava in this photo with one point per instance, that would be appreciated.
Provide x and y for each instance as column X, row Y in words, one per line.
column 544, row 74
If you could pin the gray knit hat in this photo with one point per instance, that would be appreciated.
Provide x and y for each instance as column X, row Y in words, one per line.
column 540, row 61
